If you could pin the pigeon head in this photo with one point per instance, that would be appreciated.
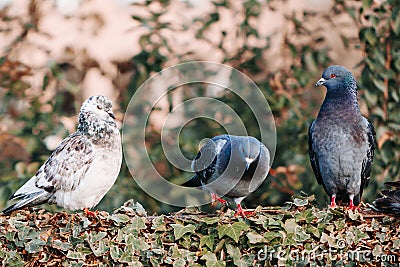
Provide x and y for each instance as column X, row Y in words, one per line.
column 338, row 79
column 249, row 150
column 96, row 117
column 98, row 106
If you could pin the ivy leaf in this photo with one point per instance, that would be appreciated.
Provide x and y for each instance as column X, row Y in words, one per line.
column 291, row 225
column 119, row 218
column 300, row 202
column 179, row 263
column 211, row 260
column 75, row 255
column 180, row 230
column 35, row 245
column 138, row 223
column 207, row 240
column 211, row 220
column 232, row 230
column 115, row 252
column 95, row 237
column 255, row 238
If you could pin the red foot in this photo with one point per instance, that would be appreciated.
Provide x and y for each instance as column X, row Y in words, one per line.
column 351, row 206
column 243, row 213
column 272, row 171
column 333, row 203
column 88, row 213
column 214, row 198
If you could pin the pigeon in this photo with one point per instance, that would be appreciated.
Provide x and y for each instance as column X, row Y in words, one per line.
column 341, row 141
column 83, row 167
column 390, row 202
column 230, row 166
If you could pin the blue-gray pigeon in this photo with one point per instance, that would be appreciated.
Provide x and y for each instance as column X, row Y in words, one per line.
column 230, row 166
column 390, row 202
column 341, row 141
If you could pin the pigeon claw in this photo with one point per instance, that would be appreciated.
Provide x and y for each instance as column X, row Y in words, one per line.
column 242, row 212
column 89, row 213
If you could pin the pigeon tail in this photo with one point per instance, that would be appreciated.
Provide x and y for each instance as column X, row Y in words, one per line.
column 28, row 200
column 28, row 188
column 390, row 202
column 193, row 182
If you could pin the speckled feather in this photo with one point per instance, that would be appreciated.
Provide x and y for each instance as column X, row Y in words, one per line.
column 341, row 140
column 83, row 167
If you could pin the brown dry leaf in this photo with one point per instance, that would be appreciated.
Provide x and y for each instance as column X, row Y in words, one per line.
column 12, row 147
column 386, row 136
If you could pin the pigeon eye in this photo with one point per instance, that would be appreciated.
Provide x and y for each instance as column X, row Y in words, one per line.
column 333, row 75
column 99, row 107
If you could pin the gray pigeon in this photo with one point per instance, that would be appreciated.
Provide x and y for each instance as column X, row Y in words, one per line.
column 83, row 167
column 341, row 141
column 230, row 166
column 390, row 202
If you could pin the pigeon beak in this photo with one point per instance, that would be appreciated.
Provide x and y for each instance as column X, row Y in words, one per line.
column 320, row 82
column 111, row 115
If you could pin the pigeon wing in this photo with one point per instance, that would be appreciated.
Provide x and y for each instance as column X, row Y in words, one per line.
column 67, row 165
column 313, row 157
column 367, row 163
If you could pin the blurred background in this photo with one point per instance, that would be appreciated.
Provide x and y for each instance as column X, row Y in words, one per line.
column 54, row 54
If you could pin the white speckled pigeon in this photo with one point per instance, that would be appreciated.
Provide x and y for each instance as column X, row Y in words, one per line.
column 84, row 166
column 230, row 166
column 341, row 141
column 390, row 202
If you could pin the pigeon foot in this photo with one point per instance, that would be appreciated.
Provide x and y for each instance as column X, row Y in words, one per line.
column 243, row 213
column 351, row 206
column 333, row 202
column 214, row 198
column 89, row 213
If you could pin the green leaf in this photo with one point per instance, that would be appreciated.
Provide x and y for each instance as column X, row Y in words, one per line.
column 75, row 255
column 300, row 202
column 180, row 230
column 255, row 238
column 379, row 84
column 95, row 237
column 100, row 249
column 207, row 240
column 115, row 252
column 179, row 263
column 366, row 4
column 158, row 224
column 291, row 225
column 35, row 245
column 211, row 260
column 232, row 230
column 396, row 25
column 138, row 223
column 234, row 252
column 300, row 235
column 64, row 246
column 210, row 220
column 119, row 218
column 269, row 236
